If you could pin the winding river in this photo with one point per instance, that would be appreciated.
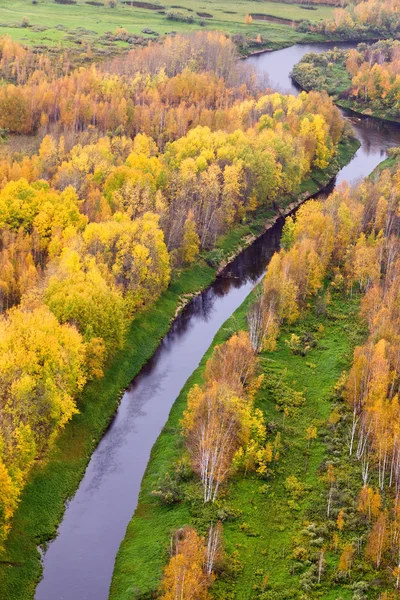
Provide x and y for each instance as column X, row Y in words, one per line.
column 78, row 564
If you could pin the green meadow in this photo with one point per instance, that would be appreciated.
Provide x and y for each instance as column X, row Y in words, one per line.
column 50, row 24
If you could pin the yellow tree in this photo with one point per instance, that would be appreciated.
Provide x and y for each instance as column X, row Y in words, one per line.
column 346, row 559
column 215, row 424
column 191, row 241
column 184, row 577
column 378, row 539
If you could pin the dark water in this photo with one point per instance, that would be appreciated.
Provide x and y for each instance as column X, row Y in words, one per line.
column 78, row 564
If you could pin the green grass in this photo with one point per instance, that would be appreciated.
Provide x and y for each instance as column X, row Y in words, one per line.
column 227, row 16
column 271, row 523
column 55, row 479
column 390, row 163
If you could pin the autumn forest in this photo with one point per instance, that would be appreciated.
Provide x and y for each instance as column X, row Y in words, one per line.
column 200, row 308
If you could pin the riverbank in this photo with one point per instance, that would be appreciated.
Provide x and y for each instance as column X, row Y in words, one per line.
column 57, row 477
column 323, row 72
column 260, row 517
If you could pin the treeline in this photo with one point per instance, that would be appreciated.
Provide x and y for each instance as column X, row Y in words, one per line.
column 18, row 64
column 351, row 243
column 193, row 80
column 371, row 17
column 368, row 76
column 316, row 2
column 373, row 385
column 89, row 232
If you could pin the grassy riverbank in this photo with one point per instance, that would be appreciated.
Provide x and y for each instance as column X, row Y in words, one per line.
column 56, row 478
column 261, row 519
column 328, row 72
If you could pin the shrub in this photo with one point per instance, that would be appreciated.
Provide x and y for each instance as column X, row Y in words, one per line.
column 294, row 486
column 168, row 491
column 215, row 257
column 176, row 15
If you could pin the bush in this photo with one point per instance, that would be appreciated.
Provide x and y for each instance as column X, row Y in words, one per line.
column 169, row 490
column 176, row 15
column 215, row 257
column 294, row 486
column 284, row 396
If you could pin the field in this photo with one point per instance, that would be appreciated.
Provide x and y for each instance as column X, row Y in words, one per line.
column 82, row 24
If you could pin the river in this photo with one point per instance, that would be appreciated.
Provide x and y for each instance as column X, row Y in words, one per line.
column 78, row 564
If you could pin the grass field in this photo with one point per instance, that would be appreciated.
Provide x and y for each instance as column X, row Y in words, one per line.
column 259, row 536
column 54, row 480
column 51, row 23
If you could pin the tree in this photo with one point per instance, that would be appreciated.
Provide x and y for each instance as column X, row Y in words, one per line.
column 135, row 255
column 8, row 500
column 184, row 577
column 340, row 520
column 311, row 434
column 41, row 371
column 215, row 426
column 77, row 293
column 233, row 363
column 191, row 241
column 214, row 550
column 331, row 477
column 346, row 559
column 378, row 539
column 263, row 324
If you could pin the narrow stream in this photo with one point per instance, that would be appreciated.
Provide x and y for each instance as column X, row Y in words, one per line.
column 78, row 564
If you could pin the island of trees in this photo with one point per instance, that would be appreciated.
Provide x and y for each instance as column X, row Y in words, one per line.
column 365, row 79
column 368, row 19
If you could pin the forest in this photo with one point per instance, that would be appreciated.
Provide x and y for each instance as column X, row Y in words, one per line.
column 365, row 79
column 97, row 30
column 94, row 222
column 174, row 214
